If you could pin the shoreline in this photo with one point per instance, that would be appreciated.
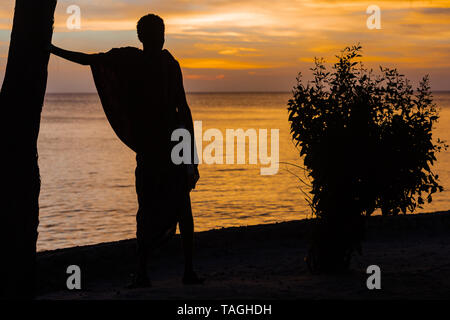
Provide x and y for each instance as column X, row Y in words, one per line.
column 264, row 262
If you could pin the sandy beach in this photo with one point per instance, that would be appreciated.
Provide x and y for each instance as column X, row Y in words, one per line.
column 265, row 262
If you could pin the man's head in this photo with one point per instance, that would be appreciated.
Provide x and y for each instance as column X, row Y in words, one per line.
column 150, row 29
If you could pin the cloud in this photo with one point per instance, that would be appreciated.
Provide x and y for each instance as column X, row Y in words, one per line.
column 204, row 77
column 222, row 64
column 260, row 38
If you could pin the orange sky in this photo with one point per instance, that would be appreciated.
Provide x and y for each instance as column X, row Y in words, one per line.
column 254, row 45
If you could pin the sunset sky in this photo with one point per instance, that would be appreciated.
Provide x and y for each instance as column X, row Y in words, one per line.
column 253, row 45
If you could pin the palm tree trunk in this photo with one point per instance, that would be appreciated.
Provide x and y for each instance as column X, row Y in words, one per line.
column 21, row 100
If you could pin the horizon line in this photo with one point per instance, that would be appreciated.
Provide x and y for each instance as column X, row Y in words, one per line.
column 189, row 92
column 209, row 92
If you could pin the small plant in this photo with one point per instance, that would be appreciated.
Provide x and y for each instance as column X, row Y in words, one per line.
column 366, row 142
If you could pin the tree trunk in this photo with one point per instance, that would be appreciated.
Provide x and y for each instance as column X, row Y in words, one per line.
column 21, row 101
column 333, row 241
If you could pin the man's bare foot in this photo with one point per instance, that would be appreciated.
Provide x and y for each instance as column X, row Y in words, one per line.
column 191, row 278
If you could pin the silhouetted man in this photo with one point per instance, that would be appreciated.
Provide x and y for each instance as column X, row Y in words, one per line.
column 143, row 97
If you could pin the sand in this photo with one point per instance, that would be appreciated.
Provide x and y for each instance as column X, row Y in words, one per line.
column 265, row 262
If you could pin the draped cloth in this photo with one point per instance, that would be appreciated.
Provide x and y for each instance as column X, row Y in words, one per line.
column 140, row 96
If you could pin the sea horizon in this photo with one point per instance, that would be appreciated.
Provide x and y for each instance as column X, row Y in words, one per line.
column 213, row 92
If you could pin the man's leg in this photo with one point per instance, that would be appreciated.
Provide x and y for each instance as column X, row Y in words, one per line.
column 187, row 234
column 141, row 279
column 187, row 237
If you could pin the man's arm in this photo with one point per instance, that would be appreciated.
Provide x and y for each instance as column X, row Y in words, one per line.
column 77, row 57
column 185, row 115
column 184, row 111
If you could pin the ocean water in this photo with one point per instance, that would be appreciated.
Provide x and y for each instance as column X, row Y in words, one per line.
column 88, row 193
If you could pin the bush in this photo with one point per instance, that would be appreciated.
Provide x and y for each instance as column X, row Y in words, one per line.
column 367, row 144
